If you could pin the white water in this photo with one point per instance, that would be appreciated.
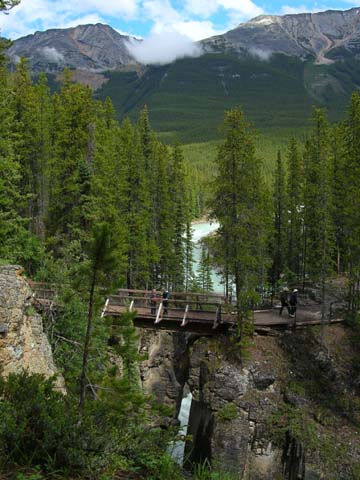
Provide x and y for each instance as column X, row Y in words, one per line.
column 199, row 231
column 178, row 448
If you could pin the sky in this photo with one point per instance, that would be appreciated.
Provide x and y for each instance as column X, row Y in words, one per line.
column 195, row 19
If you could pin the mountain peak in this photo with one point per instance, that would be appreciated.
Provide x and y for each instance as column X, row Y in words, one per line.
column 324, row 36
column 91, row 47
column 262, row 20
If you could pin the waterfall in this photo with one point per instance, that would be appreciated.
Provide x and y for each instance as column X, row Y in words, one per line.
column 178, row 447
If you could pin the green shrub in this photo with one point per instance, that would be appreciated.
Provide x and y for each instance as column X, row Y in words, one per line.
column 228, row 412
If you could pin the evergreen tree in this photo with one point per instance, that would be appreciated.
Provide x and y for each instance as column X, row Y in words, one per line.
column 278, row 246
column 238, row 205
column 351, row 213
column 6, row 5
column 204, row 271
column 43, row 120
column 70, row 168
column 295, row 209
column 189, row 258
column 25, row 138
column 319, row 240
column 338, row 177
column 100, row 271
column 134, row 206
column 17, row 245
column 180, row 214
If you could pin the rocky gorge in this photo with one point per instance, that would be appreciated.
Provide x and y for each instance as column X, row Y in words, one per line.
column 289, row 410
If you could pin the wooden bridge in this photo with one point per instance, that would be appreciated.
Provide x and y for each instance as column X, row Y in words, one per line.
column 206, row 314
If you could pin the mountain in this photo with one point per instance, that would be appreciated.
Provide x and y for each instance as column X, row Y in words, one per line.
column 324, row 37
column 93, row 48
column 275, row 67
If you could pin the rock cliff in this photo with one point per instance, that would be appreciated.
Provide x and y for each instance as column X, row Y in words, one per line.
column 23, row 343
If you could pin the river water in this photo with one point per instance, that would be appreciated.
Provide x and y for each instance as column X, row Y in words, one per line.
column 199, row 231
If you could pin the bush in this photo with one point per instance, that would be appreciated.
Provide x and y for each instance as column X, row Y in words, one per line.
column 41, row 431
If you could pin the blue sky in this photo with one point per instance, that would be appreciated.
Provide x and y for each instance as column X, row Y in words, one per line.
column 195, row 19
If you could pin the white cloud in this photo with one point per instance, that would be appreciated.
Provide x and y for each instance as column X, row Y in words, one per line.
column 245, row 8
column 163, row 48
column 260, row 54
column 33, row 15
column 197, row 30
column 128, row 8
column 287, row 9
column 92, row 18
column 161, row 11
column 52, row 55
column 202, row 8
column 193, row 30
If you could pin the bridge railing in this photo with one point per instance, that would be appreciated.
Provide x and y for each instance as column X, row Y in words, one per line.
column 173, row 304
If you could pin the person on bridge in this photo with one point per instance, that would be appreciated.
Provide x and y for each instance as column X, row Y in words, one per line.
column 293, row 303
column 153, row 301
column 284, row 300
column 165, row 300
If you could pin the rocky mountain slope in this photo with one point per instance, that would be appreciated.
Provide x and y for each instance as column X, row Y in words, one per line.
column 324, row 36
column 86, row 47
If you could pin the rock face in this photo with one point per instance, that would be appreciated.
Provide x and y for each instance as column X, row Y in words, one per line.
column 238, row 402
column 270, row 416
column 23, row 343
column 325, row 36
column 93, row 48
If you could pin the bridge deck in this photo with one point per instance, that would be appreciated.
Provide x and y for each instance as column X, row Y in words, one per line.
column 207, row 314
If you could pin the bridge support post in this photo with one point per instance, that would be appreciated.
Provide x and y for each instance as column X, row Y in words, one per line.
column 105, row 307
column 185, row 320
column 158, row 316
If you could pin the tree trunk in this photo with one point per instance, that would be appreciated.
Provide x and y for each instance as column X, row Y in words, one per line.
column 87, row 343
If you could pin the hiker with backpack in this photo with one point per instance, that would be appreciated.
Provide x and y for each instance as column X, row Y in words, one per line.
column 293, row 303
column 284, row 300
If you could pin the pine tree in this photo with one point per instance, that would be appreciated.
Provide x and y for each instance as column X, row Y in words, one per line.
column 338, row 177
column 134, row 206
column 295, row 209
column 17, row 245
column 43, row 120
column 238, row 205
column 280, row 202
column 203, row 276
column 70, row 167
column 351, row 176
column 318, row 225
column 6, row 5
column 100, row 271
column 189, row 258
column 181, row 215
